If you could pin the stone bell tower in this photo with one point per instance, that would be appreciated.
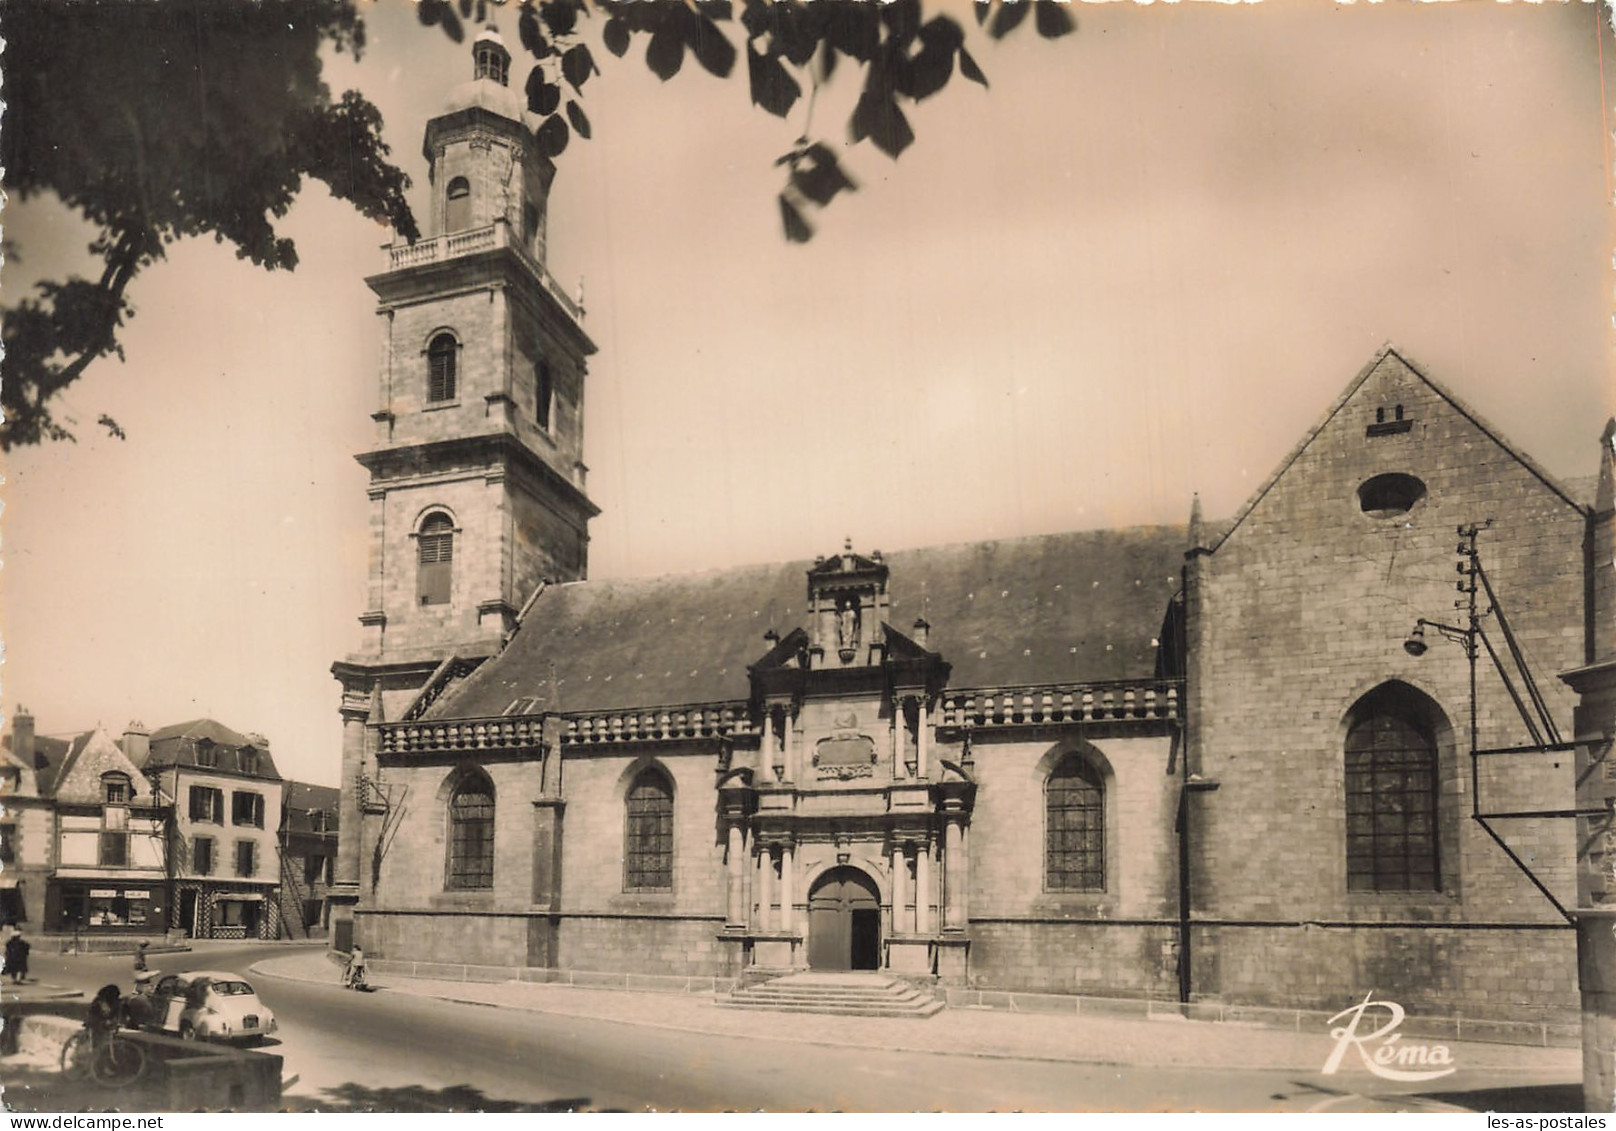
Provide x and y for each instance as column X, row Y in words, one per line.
column 477, row 481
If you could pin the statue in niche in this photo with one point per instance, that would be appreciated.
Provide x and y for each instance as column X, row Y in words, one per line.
column 847, row 624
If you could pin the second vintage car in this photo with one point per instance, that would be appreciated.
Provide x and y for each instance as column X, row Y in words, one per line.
column 203, row 1005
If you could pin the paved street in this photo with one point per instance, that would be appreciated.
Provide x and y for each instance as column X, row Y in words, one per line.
column 397, row 1049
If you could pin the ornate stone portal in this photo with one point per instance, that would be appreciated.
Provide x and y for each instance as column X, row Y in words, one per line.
column 836, row 860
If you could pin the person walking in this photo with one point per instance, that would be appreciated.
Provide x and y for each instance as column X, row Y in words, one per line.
column 17, row 949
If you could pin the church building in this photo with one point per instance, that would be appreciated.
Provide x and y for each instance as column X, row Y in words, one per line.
column 1199, row 761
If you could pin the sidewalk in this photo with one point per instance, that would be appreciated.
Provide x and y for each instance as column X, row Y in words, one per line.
column 979, row 1032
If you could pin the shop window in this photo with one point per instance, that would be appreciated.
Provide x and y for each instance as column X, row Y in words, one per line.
column 114, row 850
column 8, row 844
column 471, row 834
column 207, row 805
column 13, row 908
column 202, row 856
column 247, row 809
column 1074, row 827
column 648, row 853
column 246, row 858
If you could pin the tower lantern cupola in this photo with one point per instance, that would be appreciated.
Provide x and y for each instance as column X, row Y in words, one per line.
column 490, row 58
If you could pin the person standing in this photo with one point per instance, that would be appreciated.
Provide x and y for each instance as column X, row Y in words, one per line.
column 17, row 949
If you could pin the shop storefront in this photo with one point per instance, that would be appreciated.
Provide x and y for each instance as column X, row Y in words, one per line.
column 236, row 912
column 104, row 905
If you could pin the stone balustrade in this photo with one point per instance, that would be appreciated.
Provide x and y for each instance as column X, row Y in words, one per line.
column 436, row 249
column 1058, row 704
column 518, row 732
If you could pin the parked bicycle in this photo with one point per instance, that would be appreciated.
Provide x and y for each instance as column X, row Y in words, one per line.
column 98, row 1051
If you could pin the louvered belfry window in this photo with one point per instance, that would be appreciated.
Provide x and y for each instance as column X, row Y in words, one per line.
column 648, row 851
column 1391, row 806
column 471, row 836
column 440, row 363
column 435, row 559
column 1074, row 827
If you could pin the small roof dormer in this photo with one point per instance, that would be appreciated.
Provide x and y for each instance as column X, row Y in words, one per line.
column 847, row 601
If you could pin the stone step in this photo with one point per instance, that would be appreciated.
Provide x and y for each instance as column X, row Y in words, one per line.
column 810, row 999
column 885, row 991
column 917, row 1010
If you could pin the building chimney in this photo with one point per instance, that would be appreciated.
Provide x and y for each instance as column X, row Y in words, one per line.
column 22, row 737
column 922, row 631
column 136, row 743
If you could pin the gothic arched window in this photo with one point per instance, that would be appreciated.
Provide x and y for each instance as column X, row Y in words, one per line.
column 434, row 556
column 1074, row 827
column 471, row 835
column 648, row 842
column 457, row 206
column 1391, row 800
column 441, row 358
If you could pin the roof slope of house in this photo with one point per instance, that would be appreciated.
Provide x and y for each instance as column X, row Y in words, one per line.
column 176, row 745
column 1044, row 609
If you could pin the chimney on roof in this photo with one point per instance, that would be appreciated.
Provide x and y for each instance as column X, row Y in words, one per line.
column 258, row 740
column 922, row 631
column 1197, row 533
column 22, row 737
column 136, row 742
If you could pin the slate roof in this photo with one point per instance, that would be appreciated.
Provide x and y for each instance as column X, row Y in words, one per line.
column 1082, row 606
column 48, row 756
column 176, row 745
column 301, row 799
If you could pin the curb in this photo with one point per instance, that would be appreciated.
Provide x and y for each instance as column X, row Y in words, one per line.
column 841, row 1042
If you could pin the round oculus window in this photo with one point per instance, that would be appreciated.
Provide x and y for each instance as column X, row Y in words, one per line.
column 1389, row 495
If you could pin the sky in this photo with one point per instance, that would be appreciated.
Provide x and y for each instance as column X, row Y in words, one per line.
column 1139, row 267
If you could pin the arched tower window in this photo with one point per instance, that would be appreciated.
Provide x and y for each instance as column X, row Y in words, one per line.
column 1391, row 782
column 471, row 835
column 1074, row 827
column 441, row 363
column 434, row 555
column 648, row 843
column 544, row 390
column 457, row 206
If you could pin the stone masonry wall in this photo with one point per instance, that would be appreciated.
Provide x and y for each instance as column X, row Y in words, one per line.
column 1306, row 608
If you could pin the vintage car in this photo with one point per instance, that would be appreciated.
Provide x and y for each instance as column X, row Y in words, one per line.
column 203, row 1005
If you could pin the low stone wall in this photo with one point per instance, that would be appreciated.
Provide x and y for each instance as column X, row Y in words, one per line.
column 1432, row 1027
column 581, row 979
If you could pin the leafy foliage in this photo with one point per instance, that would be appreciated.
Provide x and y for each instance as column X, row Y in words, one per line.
column 94, row 96
column 161, row 119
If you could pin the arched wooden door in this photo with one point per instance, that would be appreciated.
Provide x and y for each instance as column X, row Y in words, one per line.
column 844, row 922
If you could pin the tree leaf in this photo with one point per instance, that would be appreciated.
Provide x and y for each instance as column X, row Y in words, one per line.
column 552, row 136
column 969, row 69
column 928, row 72
column 902, row 18
column 577, row 65
column 616, row 36
column 773, row 88
column 878, row 118
column 666, row 54
column 1053, row 20
column 818, row 175
column 715, row 9
column 543, row 96
column 580, row 124
column 527, row 28
column 712, row 48
column 797, row 229
column 980, row 10
column 560, row 16
column 1010, row 13
column 465, row 9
